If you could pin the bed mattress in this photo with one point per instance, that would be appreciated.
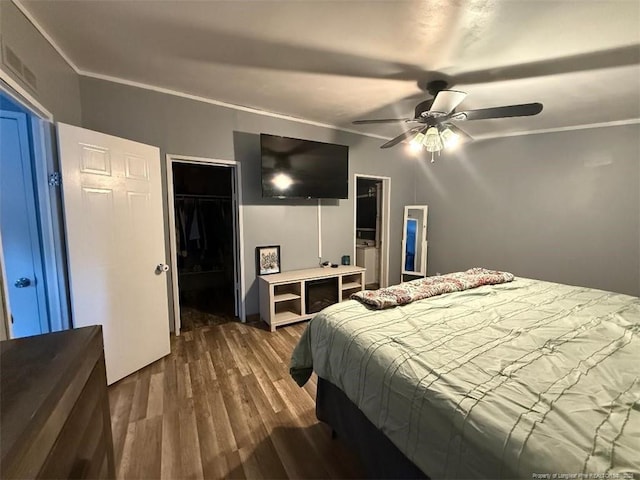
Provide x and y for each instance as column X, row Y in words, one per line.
column 520, row 379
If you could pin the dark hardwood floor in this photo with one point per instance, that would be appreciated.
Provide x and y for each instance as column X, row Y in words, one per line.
column 222, row 405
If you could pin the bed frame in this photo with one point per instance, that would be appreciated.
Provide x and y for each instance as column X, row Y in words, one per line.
column 380, row 457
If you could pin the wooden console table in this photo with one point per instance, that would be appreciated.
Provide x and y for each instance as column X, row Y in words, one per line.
column 282, row 295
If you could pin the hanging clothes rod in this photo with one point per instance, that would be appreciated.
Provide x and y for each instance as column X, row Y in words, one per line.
column 201, row 196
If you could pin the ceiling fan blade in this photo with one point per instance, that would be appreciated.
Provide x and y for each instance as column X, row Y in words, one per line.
column 381, row 120
column 401, row 137
column 524, row 110
column 423, row 107
column 446, row 101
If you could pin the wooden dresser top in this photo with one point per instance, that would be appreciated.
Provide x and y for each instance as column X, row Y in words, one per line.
column 40, row 379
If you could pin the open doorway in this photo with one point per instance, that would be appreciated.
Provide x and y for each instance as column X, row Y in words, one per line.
column 30, row 223
column 372, row 228
column 205, row 242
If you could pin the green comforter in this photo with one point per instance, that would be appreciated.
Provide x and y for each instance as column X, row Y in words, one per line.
column 513, row 380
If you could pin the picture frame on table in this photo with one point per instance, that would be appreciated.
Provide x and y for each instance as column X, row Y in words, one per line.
column 268, row 260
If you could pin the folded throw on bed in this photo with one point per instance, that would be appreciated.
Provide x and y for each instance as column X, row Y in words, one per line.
column 408, row 292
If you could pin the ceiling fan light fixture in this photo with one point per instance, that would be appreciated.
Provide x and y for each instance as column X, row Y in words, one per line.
column 415, row 145
column 432, row 141
column 417, row 140
column 435, row 116
column 450, row 139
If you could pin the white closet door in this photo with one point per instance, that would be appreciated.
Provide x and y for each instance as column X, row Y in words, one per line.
column 115, row 239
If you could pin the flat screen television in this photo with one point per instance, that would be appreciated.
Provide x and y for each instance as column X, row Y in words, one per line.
column 296, row 168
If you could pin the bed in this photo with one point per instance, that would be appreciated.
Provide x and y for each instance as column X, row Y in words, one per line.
column 520, row 379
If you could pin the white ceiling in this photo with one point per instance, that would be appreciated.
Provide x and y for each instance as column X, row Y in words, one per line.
column 337, row 61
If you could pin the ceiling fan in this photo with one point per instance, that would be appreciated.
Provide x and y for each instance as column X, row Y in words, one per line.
column 434, row 129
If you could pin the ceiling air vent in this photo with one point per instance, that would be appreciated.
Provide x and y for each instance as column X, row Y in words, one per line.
column 11, row 60
column 29, row 77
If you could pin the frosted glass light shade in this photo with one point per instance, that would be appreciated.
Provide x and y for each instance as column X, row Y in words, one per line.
column 432, row 141
column 450, row 139
column 417, row 140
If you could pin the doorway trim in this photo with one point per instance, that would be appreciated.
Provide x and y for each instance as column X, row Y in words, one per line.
column 49, row 212
column 384, row 223
column 23, row 97
column 236, row 178
column 6, row 331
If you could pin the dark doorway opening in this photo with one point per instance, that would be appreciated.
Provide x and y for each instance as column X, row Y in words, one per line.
column 203, row 201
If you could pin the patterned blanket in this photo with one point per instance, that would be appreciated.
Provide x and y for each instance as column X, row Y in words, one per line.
column 408, row 292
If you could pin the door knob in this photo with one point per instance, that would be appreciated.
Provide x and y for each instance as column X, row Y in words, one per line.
column 22, row 282
column 162, row 267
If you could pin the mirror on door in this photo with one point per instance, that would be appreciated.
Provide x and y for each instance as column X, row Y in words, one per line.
column 414, row 242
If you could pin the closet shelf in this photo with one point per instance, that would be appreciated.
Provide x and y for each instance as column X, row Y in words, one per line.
column 202, row 196
column 219, row 270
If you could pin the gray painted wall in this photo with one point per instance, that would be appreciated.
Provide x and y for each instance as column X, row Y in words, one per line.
column 562, row 207
column 187, row 127
column 58, row 84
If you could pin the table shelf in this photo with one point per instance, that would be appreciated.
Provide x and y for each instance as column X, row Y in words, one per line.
column 285, row 296
column 282, row 295
column 285, row 316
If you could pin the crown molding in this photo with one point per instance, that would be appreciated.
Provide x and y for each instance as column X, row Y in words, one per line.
column 613, row 123
column 44, row 33
column 219, row 103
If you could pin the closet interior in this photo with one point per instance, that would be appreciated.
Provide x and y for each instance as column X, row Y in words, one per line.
column 204, row 243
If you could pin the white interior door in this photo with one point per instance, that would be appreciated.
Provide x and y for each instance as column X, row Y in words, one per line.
column 18, row 222
column 115, row 239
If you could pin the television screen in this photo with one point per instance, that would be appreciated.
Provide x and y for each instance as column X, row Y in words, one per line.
column 296, row 168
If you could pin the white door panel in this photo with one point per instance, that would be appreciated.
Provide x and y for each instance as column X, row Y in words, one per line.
column 114, row 222
column 18, row 222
